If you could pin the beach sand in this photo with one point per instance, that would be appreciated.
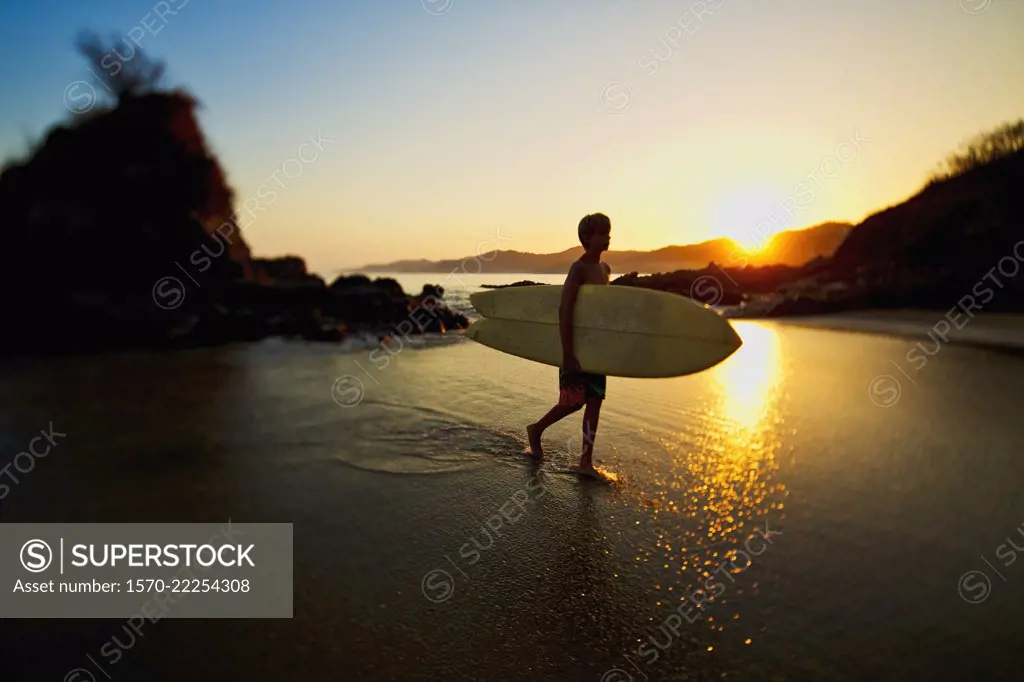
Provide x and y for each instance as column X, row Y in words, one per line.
column 991, row 330
column 427, row 547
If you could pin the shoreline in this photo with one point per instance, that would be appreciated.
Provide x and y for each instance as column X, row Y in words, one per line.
column 994, row 331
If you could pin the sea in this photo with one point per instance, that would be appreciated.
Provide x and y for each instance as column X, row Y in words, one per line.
column 812, row 508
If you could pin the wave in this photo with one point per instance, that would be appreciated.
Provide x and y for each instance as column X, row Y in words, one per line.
column 405, row 439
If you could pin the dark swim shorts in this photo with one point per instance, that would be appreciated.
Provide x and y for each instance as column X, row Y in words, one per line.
column 574, row 388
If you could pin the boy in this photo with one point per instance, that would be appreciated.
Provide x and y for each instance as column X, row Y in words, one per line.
column 577, row 388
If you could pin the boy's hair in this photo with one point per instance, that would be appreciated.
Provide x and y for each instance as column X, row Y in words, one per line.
column 590, row 224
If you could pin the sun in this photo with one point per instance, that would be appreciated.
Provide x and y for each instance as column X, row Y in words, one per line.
column 749, row 216
column 746, row 243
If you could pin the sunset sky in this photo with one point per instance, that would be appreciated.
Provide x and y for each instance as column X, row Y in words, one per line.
column 453, row 119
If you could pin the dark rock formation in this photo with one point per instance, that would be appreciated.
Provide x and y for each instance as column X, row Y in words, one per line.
column 711, row 285
column 283, row 271
column 120, row 233
column 522, row 283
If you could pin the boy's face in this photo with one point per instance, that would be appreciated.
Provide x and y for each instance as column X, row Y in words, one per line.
column 600, row 239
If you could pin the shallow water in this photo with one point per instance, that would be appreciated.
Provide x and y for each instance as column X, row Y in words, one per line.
column 403, row 481
column 458, row 285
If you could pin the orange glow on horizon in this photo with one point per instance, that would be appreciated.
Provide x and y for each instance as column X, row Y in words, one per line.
column 748, row 215
column 749, row 246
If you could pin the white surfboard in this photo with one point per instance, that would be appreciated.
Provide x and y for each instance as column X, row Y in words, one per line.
column 618, row 330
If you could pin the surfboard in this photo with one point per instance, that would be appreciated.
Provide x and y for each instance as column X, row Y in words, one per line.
column 617, row 330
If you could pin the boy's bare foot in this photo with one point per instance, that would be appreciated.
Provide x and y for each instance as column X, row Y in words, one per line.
column 589, row 471
column 535, row 452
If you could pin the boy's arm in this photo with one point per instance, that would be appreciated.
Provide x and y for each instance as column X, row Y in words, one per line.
column 565, row 310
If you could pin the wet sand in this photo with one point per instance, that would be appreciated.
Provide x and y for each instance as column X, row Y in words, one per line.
column 427, row 547
column 1003, row 331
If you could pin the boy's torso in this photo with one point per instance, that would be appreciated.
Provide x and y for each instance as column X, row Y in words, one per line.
column 594, row 273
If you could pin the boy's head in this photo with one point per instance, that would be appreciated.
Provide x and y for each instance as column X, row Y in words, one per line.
column 595, row 232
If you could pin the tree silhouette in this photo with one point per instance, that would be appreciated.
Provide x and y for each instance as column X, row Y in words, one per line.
column 982, row 149
column 125, row 75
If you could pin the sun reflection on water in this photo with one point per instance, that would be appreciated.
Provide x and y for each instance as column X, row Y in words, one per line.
column 718, row 484
column 747, row 377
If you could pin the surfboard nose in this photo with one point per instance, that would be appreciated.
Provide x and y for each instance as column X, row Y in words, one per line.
column 732, row 338
column 473, row 330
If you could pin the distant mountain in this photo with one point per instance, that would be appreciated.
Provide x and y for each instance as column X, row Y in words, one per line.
column 794, row 247
column 797, row 247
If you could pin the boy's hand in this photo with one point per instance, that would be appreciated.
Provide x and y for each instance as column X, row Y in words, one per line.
column 570, row 363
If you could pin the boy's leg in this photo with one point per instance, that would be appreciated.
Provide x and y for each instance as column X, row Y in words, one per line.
column 595, row 390
column 590, row 418
column 570, row 399
column 535, row 431
column 555, row 414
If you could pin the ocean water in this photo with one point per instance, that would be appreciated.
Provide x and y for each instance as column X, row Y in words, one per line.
column 459, row 285
column 836, row 517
